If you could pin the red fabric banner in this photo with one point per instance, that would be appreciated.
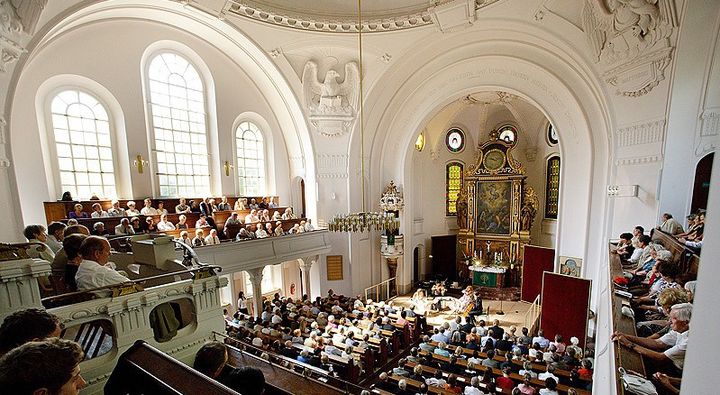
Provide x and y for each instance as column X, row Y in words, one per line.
column 565, row 302
column 536, row 260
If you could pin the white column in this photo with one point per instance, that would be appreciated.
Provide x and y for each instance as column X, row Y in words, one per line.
column 703, row 347
column 256, row 276
column 305, row 267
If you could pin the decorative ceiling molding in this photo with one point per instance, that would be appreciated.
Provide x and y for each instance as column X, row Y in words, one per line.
column 344, row 24
column 642, row 133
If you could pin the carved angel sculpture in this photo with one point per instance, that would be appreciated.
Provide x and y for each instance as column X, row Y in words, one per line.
column 330, row 96
column 622, row 28
column 529, row 209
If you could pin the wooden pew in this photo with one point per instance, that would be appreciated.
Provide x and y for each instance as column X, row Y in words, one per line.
column 688, row 260
column 623, row 357
column 145, row 369
column 58, row 210
column 462, row 378
column 414, row 384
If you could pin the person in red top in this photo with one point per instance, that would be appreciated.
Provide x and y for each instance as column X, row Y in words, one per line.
column 452, row 384
column 586, row 369
column 505, row 382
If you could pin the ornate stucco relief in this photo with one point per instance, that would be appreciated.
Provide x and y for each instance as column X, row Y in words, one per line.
column 633, row 39
column 331, row 105
column 332, row 166
column 642, row 133
column 708, row 139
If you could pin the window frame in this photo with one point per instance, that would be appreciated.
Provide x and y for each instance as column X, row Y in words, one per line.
column 152, row 143
column 447, row 185
column 52, row 142
column 236, row 162
column 548, row 187
column 514, row 129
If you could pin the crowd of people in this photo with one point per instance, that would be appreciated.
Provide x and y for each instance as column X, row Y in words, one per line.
column 661, row 302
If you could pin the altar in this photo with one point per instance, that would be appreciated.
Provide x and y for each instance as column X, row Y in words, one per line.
column 495, row 211
column 488, row 276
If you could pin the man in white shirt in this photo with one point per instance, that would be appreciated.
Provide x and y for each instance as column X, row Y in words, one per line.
column 94, row 271
column 288, row 214
column 124, row 229
column 164, row 225
column 148, row 209
column 260, row 233
column 55, row 236
column 308, row 225
column 548, row 373
column 182, row 208
column 116, row 210
column 252, row 217
column 671, row 347
column 670, row 225
column 212, row 238
column 541, row 340
column 473, row 388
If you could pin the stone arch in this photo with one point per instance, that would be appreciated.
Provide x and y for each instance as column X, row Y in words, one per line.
column 517, row 64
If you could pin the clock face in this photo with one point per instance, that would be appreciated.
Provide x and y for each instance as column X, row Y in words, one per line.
column 455, row 140
column 494, row 160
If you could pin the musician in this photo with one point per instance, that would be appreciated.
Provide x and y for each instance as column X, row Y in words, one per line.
column 466, row 300
column 476, row 310
column 438, row 289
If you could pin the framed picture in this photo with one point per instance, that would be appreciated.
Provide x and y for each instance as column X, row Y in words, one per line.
column 494, row 201
column 570, row 266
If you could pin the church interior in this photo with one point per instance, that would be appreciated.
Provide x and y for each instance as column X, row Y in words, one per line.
column 349, row 177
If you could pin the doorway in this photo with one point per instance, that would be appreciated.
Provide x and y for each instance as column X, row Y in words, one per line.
column 703, row 171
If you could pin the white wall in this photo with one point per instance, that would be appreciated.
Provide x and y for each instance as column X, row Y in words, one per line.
column 118, row 69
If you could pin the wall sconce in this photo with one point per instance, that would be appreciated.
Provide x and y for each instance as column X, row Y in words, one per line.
column 140, row 163
column 228, row 167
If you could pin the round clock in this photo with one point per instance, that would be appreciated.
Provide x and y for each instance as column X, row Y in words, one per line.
column 494, row 160
column 455, row 140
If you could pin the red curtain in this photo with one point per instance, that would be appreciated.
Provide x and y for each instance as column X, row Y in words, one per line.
column 565, row 301
column 536, row 260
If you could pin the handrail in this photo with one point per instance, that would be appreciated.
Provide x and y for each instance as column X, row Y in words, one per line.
column 242, row 346
column 533, row 313
column 379, row 285
column 211, row 268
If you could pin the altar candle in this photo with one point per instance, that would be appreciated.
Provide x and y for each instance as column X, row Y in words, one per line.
column 501, row 254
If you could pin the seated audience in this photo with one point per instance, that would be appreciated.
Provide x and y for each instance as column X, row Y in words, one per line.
column 224, row 205
column 99, row 229
column 279, row 229
column 670, row 225
column 182, row 208
column 253, row 204
column 232, row 221
column 161, row 210
column 308, row 225
column 55, row 236
column 264, row 215
column 148, row 209
column 202, row 222
column 624, row 247
column 131, row 210
column 668, row 350
column 274, row 202
column 269, row 229
column 185, row 238
column 124, row 228
column 246, row 380
column 94, row 271
column 260, row 232
column 288, row 214
column 210, row 359
column 116, row 210
column 245, row 233
column 71, row 248
column 550, row 387
column 50, row 366
column 37, row 234
column 78, row 212
column 240, row 204
column 150, row 225
column 25, row 326
column 276, row 216
column 182, row 222
column 637, row 232
column 199, row 239
column 164, row 225
column 212, row 238
column 135, row 223
column 194, row 207
column 251, row 217
column 97, row 211
column 206, row 207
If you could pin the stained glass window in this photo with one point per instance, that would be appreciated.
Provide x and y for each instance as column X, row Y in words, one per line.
column 552, row 188
column 177, row 100
column 453, row 182
column 81, row 130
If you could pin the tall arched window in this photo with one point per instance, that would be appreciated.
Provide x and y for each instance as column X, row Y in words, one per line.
column 81, row 131
column 552, row 187
column 177, row 104
column 453, row 184
column 250, row 159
